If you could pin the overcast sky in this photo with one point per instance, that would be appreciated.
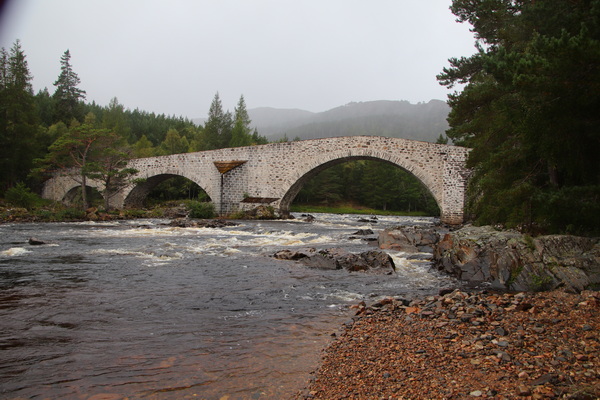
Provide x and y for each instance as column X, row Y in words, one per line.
column 173, row 56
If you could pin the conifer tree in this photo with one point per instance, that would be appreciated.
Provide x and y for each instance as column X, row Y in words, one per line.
column 18, row 118
column 240, row 135
column 67, row 95
column 530, row 112
column 85, row 152
column 217, row 129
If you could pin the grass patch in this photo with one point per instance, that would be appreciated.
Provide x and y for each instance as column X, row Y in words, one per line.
column 345, row 209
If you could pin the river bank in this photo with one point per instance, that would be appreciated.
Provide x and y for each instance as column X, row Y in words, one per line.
column 467, row 345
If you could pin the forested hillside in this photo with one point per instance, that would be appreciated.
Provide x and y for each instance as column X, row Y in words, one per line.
column 401, row 119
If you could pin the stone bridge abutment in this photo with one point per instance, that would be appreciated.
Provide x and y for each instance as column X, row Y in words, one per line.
column 272, row 174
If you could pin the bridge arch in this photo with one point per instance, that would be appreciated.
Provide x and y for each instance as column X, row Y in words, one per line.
column 137, row 194
column 64, row 188
column 294, row 189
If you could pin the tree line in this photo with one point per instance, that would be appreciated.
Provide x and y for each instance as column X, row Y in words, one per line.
column 374, row 184
column 41, row 133
column 530, row 112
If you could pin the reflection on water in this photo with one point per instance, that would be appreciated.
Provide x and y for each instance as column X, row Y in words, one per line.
column 140, row 309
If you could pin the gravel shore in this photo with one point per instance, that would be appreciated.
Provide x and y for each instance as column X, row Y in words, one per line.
column 467, row 345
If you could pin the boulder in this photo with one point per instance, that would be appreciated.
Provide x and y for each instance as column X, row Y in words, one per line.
column 35, row 241
column 513, row 261
column 292, row 255
column 176, row 212
column 409, row 239
column 373, row 261
column 364, row 234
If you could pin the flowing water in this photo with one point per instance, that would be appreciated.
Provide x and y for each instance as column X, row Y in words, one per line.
column 141, row 310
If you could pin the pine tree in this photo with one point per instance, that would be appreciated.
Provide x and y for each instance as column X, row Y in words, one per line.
column 18, row 118
column 67, row 95
column 217, row 128
column 529, row 110
column 240, row 135
column 72, row 153
column 114, row 120
column 174, row 143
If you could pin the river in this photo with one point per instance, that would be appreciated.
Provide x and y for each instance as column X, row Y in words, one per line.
column 142, row 310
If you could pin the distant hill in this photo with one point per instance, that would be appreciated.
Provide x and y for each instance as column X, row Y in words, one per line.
column 400, row 119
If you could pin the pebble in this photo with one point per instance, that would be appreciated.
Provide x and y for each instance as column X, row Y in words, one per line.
column 528, row 345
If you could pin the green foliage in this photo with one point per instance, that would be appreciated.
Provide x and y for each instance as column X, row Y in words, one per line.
column 143, row 148
column 21, row 196
column 540, row 283
column 70, row 213
column 442, row 139
column 218, row 126
column 52, row 130
column 352, row 209
column 201, row 209
column 68, row 96
column 529, row 110
column 174, row 143
column 176, row 188
column 529, row 242
column 240, row 134
column 18, row 119
column 373, row 184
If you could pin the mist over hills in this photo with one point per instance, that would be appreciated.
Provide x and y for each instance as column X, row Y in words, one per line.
column 400, row 119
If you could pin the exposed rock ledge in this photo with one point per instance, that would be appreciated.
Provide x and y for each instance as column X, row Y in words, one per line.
column 513, row 261
column 373, row 261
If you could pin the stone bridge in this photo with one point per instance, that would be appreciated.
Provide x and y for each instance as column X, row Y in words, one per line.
column 273, row 174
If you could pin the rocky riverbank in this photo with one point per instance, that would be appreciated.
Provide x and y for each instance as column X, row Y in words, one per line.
column 459, row 345
column 467, row 345
column 506, row 260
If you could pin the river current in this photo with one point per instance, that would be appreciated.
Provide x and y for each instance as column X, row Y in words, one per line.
column 142, row 310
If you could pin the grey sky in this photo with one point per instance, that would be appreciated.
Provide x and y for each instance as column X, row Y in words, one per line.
column 173, row 56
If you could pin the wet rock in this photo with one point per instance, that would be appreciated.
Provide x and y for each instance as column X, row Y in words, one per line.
column 260, row 212
column 290, row 255
column 364, row 234
column 176, row 212
column 373, row 261
column 510, row 260
column 35, row 242
column 409, row 239
column 307, row 218
column 372, row 220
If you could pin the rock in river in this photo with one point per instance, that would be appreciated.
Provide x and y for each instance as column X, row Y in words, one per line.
column 373, row 261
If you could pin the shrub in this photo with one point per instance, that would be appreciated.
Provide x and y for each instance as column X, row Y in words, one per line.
column 70, row 213
column 201, row 209
column 21, row 196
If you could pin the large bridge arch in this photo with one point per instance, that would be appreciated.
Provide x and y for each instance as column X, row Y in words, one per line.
column 441, row 168
column 294, row 189
column 137, row 194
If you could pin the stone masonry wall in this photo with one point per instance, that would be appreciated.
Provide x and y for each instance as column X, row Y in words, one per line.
column 278, row 170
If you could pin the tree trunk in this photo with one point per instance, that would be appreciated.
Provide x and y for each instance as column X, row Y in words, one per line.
column 84, row 192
